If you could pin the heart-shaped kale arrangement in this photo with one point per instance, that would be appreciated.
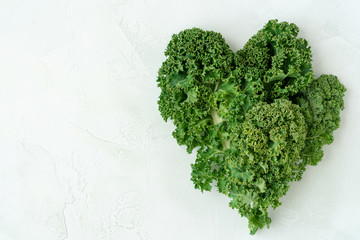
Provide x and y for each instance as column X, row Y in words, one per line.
column 256, row 117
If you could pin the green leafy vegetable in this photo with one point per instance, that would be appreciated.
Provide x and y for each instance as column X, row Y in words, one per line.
column 256, row 117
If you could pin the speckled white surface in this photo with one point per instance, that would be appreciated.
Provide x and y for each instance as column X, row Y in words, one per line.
column 84, row 153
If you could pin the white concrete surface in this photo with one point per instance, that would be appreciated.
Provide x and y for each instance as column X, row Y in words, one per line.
column 85, row 155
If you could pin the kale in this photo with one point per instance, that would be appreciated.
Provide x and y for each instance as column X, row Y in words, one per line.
column 257, row 118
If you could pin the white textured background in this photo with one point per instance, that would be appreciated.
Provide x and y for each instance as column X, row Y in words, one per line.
column 84, row 153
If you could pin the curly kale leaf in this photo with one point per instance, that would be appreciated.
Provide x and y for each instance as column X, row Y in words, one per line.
column 264, row 159
column 196, row 61
column 321, row 104
column 280, row 60
column 208, row 167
